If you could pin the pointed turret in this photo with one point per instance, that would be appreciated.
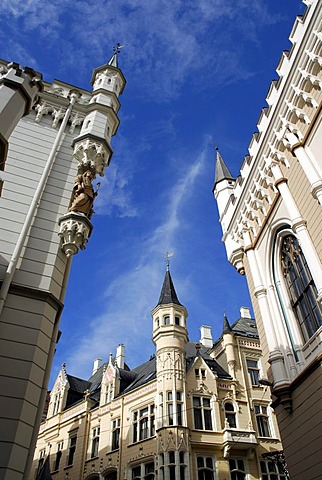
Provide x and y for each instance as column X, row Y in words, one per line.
column 169, row 315
column 224, row 184
column 222, row 171
column 229, row 344
column 226, row 326
column 168, row 293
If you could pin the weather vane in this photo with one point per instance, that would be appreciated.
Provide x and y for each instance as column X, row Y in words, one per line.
column 168, row 256
column 117, row 48
column 213, row 144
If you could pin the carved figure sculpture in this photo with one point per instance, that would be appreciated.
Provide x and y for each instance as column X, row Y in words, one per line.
column 83, row 194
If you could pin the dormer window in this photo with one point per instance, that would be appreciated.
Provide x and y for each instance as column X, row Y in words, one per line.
column 166, row 320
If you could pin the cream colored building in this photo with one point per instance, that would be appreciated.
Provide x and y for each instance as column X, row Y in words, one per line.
column 49, row 134
column 271, row 218
column 194, row 410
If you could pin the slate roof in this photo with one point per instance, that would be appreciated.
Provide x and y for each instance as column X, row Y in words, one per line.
column 168, row 292
column 137, row 377
column 243, row 327
column 76, row 390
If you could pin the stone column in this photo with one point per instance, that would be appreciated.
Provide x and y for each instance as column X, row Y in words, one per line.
column 307, row 165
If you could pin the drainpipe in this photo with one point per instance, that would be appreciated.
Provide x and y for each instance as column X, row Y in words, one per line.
column 34, row 205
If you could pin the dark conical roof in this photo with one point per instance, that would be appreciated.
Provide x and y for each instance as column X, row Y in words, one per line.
column 168, row 293
column 226, row 326
column 222, row 172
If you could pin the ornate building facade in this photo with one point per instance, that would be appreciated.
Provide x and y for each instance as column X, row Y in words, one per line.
column 271, row 218
column 194, row 410
column 49, row 134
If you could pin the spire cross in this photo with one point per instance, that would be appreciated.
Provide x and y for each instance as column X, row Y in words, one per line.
column 117, row 48
column 168, row 256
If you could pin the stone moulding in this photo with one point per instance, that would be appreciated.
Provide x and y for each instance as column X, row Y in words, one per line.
column 92, row 153
column 75, row 230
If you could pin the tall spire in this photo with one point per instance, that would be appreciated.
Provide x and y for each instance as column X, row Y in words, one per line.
column 222, row 171
column 168, row 294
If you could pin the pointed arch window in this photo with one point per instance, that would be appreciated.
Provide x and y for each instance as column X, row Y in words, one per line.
column 300, row 286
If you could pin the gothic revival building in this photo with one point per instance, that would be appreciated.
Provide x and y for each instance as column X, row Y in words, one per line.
column 192, row 411
column 271, row 218
column 49, row 134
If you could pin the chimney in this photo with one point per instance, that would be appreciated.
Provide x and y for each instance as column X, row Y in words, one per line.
column 120, row 355
column 96, row 365
column 206, row 336
column 245, row 312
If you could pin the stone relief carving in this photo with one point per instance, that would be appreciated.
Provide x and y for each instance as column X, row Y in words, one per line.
column 91, row 154
column 74, row 232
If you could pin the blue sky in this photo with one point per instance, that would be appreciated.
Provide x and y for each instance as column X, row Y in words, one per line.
column 197, row 75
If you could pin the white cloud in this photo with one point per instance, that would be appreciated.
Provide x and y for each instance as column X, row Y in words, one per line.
column 128, row 299
column 168, row 43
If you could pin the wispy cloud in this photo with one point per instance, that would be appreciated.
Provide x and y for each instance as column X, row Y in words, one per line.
column 129, row 298
column 168, row 43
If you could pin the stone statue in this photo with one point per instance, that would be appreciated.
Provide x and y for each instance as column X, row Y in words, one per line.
column 83, row 194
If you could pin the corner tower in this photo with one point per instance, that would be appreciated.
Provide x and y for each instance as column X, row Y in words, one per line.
column 170, row 337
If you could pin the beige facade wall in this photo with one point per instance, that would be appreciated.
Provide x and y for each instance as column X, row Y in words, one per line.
column 220, row 443
column 301, row 430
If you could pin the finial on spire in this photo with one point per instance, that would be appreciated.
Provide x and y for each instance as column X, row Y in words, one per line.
column 117, row 48
column 168, row 256
column 116, row 51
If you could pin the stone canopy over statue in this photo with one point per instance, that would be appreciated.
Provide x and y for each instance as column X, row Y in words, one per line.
column 83, row 195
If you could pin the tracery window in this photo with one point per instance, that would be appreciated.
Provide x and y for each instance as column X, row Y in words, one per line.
column 300, row 286
column 205, row 467
column 237, row 469
column 272, row 470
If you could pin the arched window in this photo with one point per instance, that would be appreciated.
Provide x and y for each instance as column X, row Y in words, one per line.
column 300, row 286
column 166, row 320
column 230, row 415
column 111, row 476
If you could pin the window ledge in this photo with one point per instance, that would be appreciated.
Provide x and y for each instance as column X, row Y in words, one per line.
column 141, row 441
column 91, row 459
column 68, row 466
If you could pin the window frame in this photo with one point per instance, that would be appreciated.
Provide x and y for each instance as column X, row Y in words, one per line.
column 230, row 414
column 143, row 423
column 277, row 474
column 72, row 443
column 116, row 434
column 205, row 413
column 253, row 371
column 95, row 436
column 262, row 420
column 204, row 470
column 236, row 471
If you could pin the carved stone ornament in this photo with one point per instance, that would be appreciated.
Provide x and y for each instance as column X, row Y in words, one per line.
column 91, row 154
column 75, row 229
